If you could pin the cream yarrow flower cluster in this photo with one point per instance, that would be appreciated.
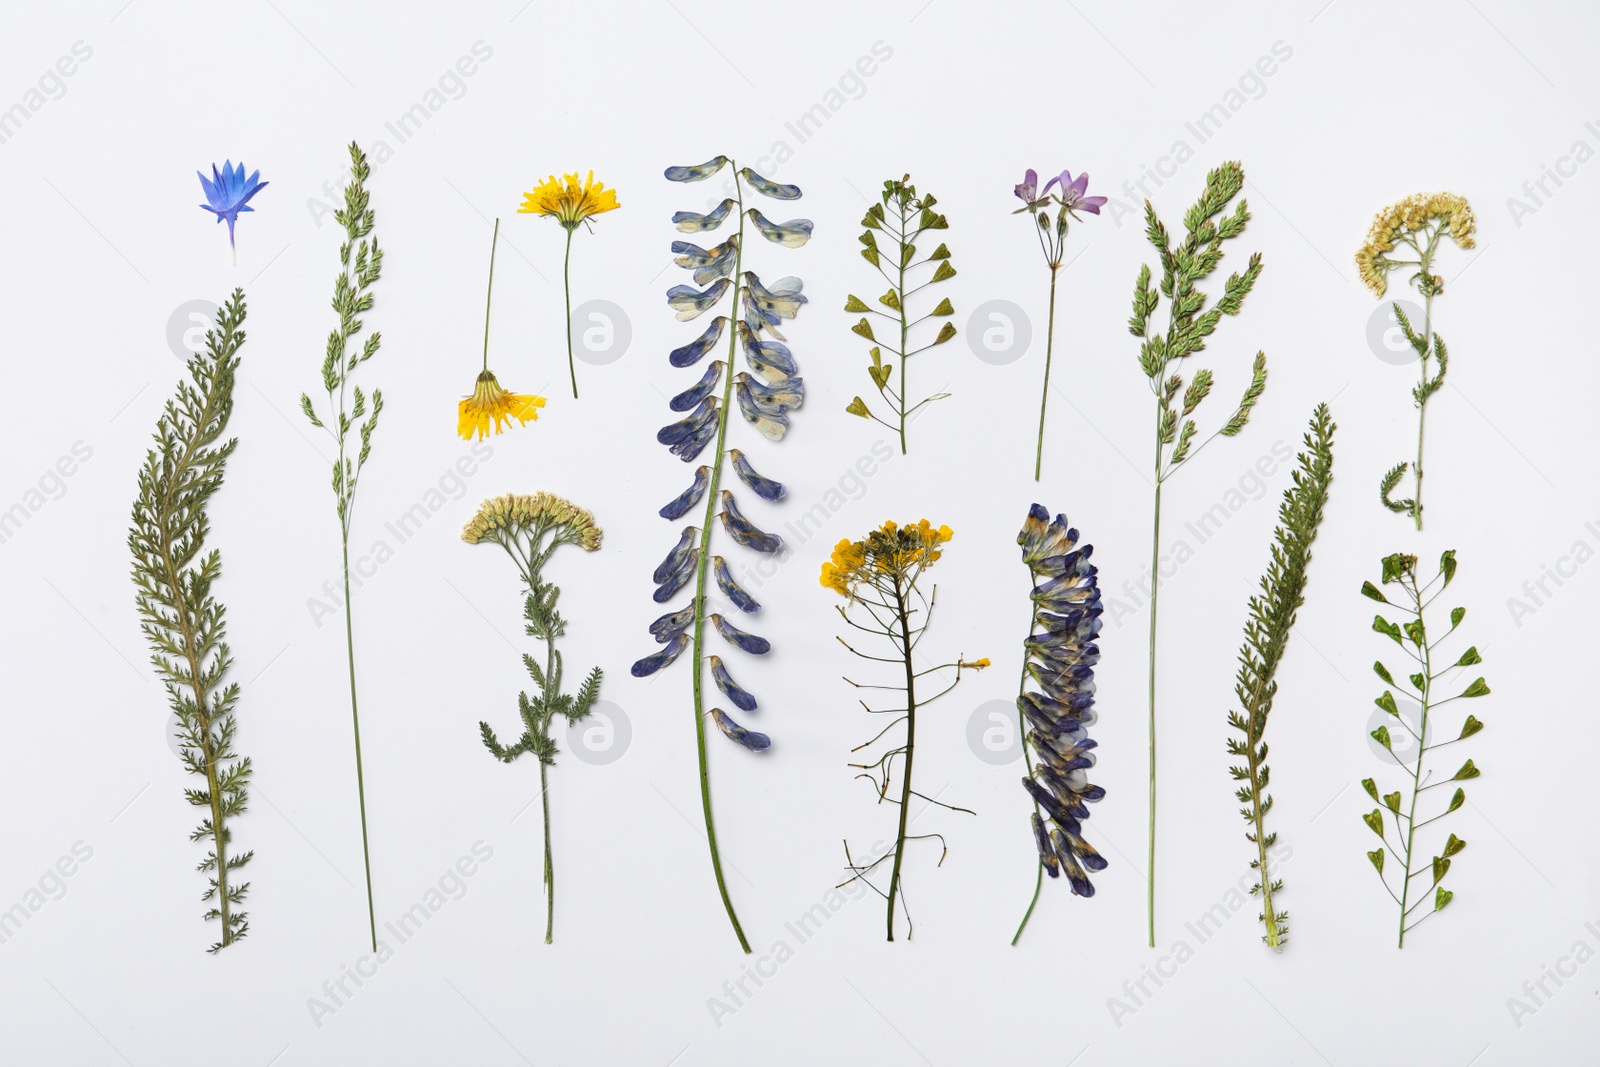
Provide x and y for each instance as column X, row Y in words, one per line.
column 503, row 517
column 1430, row 215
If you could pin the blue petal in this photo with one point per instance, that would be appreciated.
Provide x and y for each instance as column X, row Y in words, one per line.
column 770, row 359
column 756, row 646
column 689, row 222
column 771, row 424
column 680, row 505
column 742, row 531
column 696, row 173
column 672, row 624
column 650, row 664
column 731, row 589
column 695, row 350
column 679, row 554
column 700, row 390
column 755, row 742
column 689, row 437
column 1080, row 881
column 765, row 488
column 1041, row 840
column 791, row 234
column 768, row 187
column 787, row 394
column 708, row 264
column 781, row 301
column 731, row 689
column 677, row 579
column 1049, row 802
column 691, row 303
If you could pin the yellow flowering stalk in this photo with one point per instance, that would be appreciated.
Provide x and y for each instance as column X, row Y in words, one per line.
column 490, row 407
column 571, row 203
column 1415, row 226
column 878, row 575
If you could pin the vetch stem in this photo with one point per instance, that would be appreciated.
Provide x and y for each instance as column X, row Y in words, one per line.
column 704, row 564
column 1022, row 734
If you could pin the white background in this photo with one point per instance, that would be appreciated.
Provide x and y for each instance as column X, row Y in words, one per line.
column 102, row 240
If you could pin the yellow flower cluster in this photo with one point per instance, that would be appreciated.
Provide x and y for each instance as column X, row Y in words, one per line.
column 891, row 551
column 489, row 406
column 1399, row 221
column 569, row 203
column 513, row 512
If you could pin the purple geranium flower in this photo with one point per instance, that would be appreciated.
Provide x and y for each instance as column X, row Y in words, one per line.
column 229, row 193
column 1028, row 191
column 1072, row 190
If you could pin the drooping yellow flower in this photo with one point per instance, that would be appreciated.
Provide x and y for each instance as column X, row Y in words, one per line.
column 569, row 203
column 1429, row 214
column 490, row 406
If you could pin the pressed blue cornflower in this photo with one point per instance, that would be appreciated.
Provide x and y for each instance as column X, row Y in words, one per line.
column 228, row 192
column 1060, row 655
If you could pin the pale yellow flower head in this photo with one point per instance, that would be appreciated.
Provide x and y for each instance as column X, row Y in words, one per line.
column 1415, row 224
column 513, row 513
column 570, row 202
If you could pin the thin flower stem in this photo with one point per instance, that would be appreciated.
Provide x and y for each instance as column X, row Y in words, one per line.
column 355, row 719
column 1155, row 580
column 566, row 284
column 1422, row 405
column 910, row 751
column 704, row 564
column 1044, row 393
column 1422, row 731
column 488, row 302
column 1027, row 758
column 544, row 791
column 904, row 359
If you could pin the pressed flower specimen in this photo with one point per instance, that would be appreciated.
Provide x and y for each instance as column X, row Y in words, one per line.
column 878, row 577
column 1266, row 636
column 902, row 216
column 1059, row 655
column 529, row 528
column 1409, row 887
column 1414, row 227
column 1189, row 322
column 490, row 407
column 183, row 622
column 751, row 316
column 351, row 415
column 571, row 203
column 1069, row 198
column 228, row 193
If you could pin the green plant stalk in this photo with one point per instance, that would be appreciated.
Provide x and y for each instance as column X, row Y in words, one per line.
column 1422, row 408
column 905, row 328
column 703, row 565
column 566, row 285
column 1155, row 579
column 911, row 738
column 355, row 721
column 1268, row 915
column 1422, row 750
column 1027, row 757
column 1044, row 393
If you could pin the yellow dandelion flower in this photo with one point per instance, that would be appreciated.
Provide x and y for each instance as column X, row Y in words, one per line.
column 489, row 407
column 569, row 203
